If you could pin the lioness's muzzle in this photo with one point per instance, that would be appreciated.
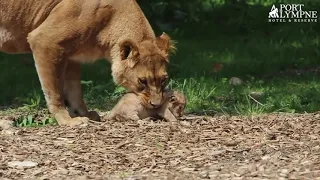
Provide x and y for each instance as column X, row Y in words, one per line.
column 155, row 99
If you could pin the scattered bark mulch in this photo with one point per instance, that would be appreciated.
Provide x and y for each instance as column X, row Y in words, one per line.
column 273, row 146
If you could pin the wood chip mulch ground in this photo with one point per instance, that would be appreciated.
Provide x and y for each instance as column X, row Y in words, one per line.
column 274, row 146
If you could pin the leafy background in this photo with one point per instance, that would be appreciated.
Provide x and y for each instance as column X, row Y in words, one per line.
column 220, row 42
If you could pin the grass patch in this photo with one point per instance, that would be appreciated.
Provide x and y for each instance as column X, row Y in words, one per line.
column 29, row 121
column 198, row 92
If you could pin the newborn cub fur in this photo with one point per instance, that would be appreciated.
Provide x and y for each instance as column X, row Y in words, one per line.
column 130, row 107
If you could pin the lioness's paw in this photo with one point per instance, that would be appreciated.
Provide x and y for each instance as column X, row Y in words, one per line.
column 77, row 121
column 93, row 115
column 65, row 119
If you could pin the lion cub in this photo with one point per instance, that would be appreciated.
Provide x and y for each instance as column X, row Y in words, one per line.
column 130, row 107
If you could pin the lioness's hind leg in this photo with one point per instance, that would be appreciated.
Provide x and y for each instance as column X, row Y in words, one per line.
column 73, row 93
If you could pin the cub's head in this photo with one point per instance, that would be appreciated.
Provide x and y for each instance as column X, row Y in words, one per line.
column 177, row 103
column 143, row 68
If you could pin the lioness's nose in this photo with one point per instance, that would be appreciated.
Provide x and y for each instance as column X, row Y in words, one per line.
column 155, row 104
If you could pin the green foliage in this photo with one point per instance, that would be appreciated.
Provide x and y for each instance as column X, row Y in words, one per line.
column 277, row 61
column 32, row 102
column 166, row 15
column 249, row 107
column 190, row 17
column 197, row 91
column 29, row 121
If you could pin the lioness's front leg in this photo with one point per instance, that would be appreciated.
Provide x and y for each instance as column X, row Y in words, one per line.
column 50, row 72
column 69, row 25
column 73, row 93
column 50, row 46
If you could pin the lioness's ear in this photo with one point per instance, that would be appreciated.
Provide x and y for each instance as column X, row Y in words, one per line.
column 165, row 44
column 127, row 48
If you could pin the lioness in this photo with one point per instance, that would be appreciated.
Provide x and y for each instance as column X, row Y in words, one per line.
column 131, row 107
column 61, row 34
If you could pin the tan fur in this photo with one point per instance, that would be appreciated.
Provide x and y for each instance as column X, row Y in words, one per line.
column 177, row 103
column 63, row 33
column 131, row 107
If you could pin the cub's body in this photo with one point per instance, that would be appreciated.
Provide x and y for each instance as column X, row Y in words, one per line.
column 130, row 107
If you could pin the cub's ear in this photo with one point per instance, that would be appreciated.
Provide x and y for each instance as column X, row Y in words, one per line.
column 128, row 48
column 129, row 51
column 165, row 44
column 173, row 99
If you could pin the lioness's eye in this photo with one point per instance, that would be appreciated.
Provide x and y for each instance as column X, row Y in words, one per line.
column 143, row 81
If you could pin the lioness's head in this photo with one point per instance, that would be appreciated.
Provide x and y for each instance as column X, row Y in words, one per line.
column 143, row 68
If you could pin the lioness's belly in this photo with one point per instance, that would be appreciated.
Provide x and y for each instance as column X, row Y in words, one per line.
column 13, row 43
column 18, row 18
